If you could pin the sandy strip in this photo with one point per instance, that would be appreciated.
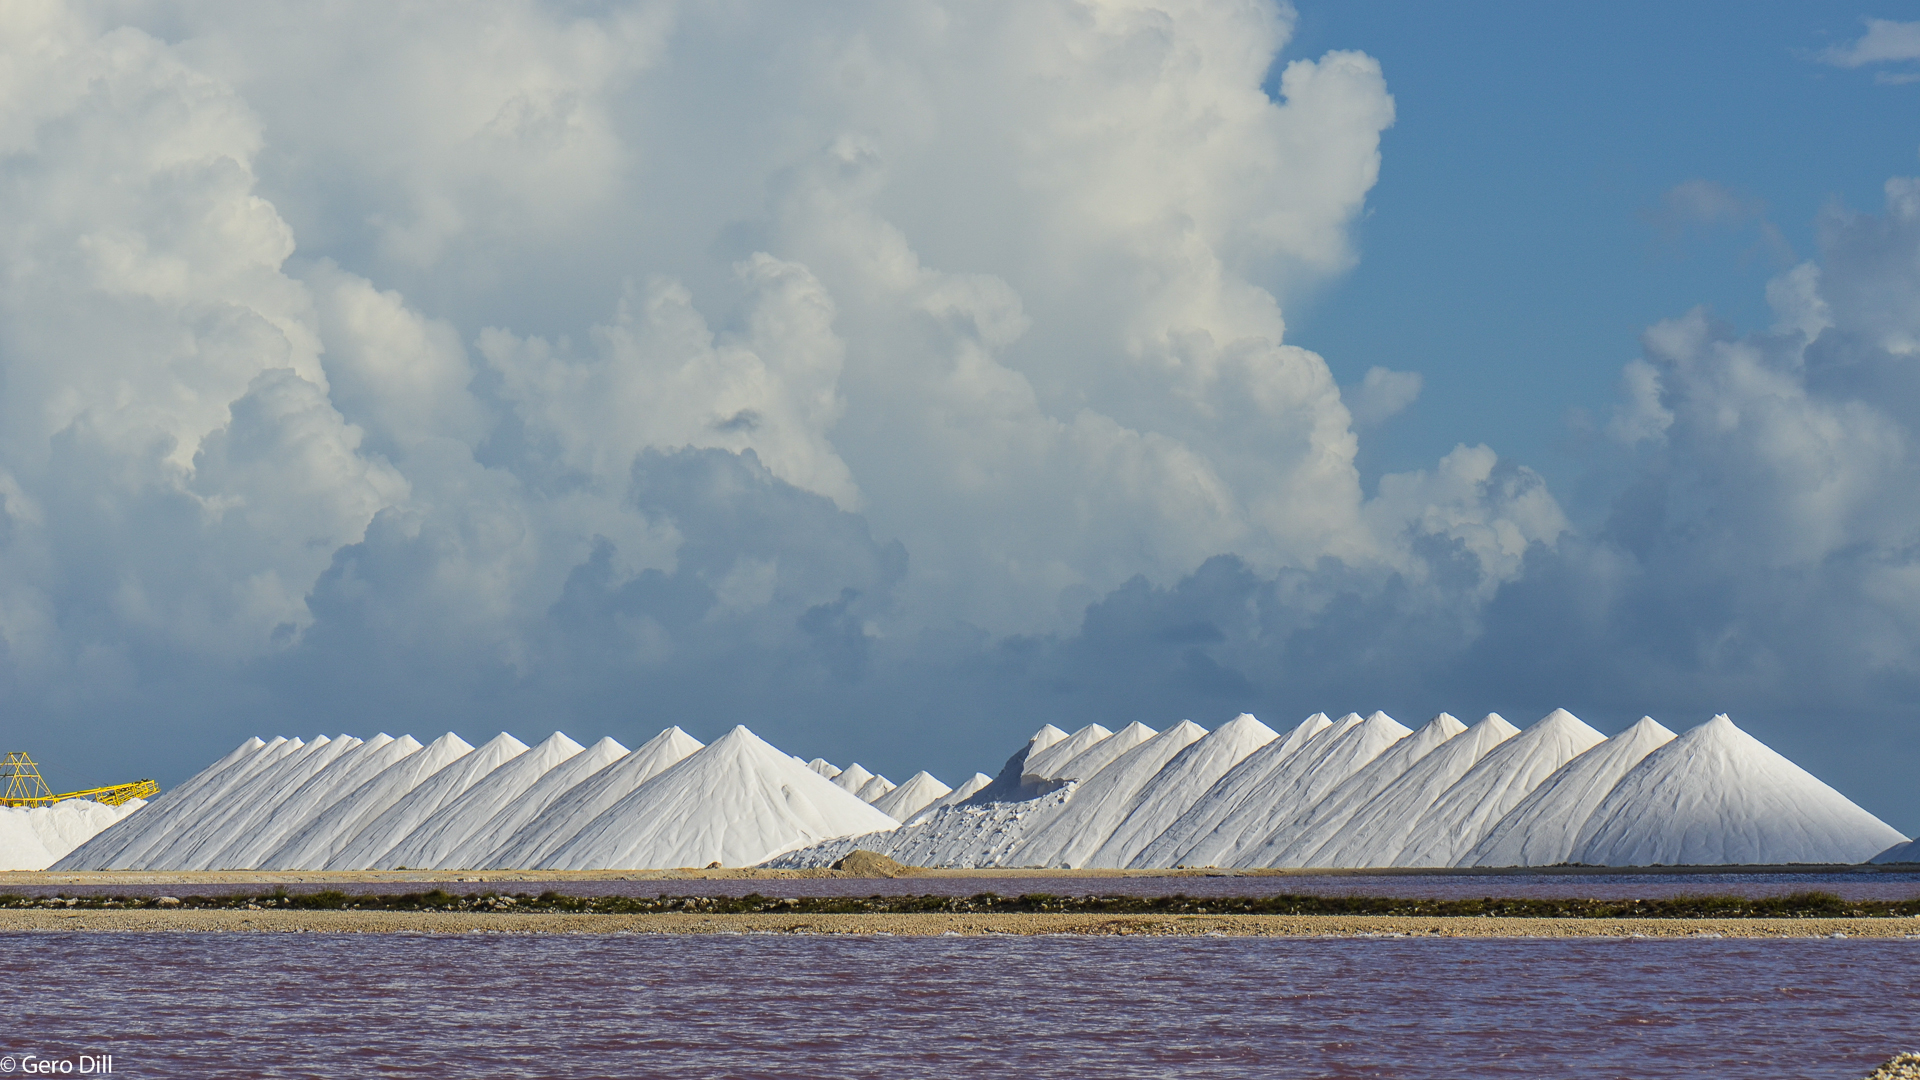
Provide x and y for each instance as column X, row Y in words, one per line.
column 433, row 922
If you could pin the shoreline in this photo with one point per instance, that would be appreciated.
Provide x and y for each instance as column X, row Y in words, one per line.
column 426, row 877
column 236, row 920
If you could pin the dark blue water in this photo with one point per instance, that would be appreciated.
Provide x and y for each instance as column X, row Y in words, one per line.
column 298, row 1005
column 1858, row 885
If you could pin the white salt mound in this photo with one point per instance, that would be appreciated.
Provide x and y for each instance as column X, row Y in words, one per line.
column 1045, row 737
column 824, row 767
column 1199, row 821
column 554, row 783
column 392, row 825
column 102, row 850
column 1176, row 788
column 1303, row 834
column 1716, row 795
column 433, row 839
column 920, row 790
column 1101, row 801
column 205, row 846
column 333, row 828
column 1376, row 832
column 35, row 837
column 1496, row 784
column 571, row 812
column 737, row 802
column 313, row 798
column 1044, row 765
column 1540, row 830
column 1299, row 783
column 1094, row 758
column 958, row 795
column 852, row 778
column 170, row 818
column 874, row 788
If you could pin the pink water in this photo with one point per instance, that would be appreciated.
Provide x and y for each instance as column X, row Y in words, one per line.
column 296, row 1005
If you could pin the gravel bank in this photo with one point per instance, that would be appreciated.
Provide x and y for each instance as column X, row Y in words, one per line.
column 437, row 922
column 1904, row 1067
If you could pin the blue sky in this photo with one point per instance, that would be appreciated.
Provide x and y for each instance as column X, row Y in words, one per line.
column 895, row 377
column 1519, row 241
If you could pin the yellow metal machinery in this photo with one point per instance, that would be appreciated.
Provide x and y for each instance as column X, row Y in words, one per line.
column 24, row 787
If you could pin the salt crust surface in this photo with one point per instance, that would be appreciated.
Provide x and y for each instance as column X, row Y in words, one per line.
column 1351, row 792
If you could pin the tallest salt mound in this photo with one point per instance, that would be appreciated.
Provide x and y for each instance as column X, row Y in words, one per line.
column 738, row 802
column 1719, row 796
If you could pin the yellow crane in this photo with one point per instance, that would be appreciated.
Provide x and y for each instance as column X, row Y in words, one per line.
column 26, row 788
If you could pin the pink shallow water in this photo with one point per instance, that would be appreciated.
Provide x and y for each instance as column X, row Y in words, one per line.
column 273, row 1005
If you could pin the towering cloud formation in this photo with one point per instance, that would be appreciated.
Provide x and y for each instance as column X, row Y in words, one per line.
column 803, row 365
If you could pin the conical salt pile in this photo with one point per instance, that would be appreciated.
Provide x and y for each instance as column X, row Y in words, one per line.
column 199, row 848
column 968, row 790
column 174, row 819
column 824, row 767
column 1540, row 831
column 433, row 839
column 920, row 790
column 1099, row 805
column 1200, row 820
column 737, row 802
column 852, row 778
column 334, row 828
column 874, row 788
column 1176, row 788
column 1376, row 832
column 571, row 812
column 1717, row 795
column 1296, row 785
column 1509, row 773
column 311, row 799
column 1044, row 766
column 1090, row 761
column 392, row 825
column 1302, row 835
column 103, row 850
column 476, row 849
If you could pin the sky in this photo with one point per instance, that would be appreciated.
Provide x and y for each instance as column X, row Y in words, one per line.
column 895, row 378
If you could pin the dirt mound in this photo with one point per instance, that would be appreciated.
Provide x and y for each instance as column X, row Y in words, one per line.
column 868, row 864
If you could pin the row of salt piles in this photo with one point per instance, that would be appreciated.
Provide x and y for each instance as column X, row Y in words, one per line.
column 1353, row 792
column 385, row 803
column 1368, row 792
